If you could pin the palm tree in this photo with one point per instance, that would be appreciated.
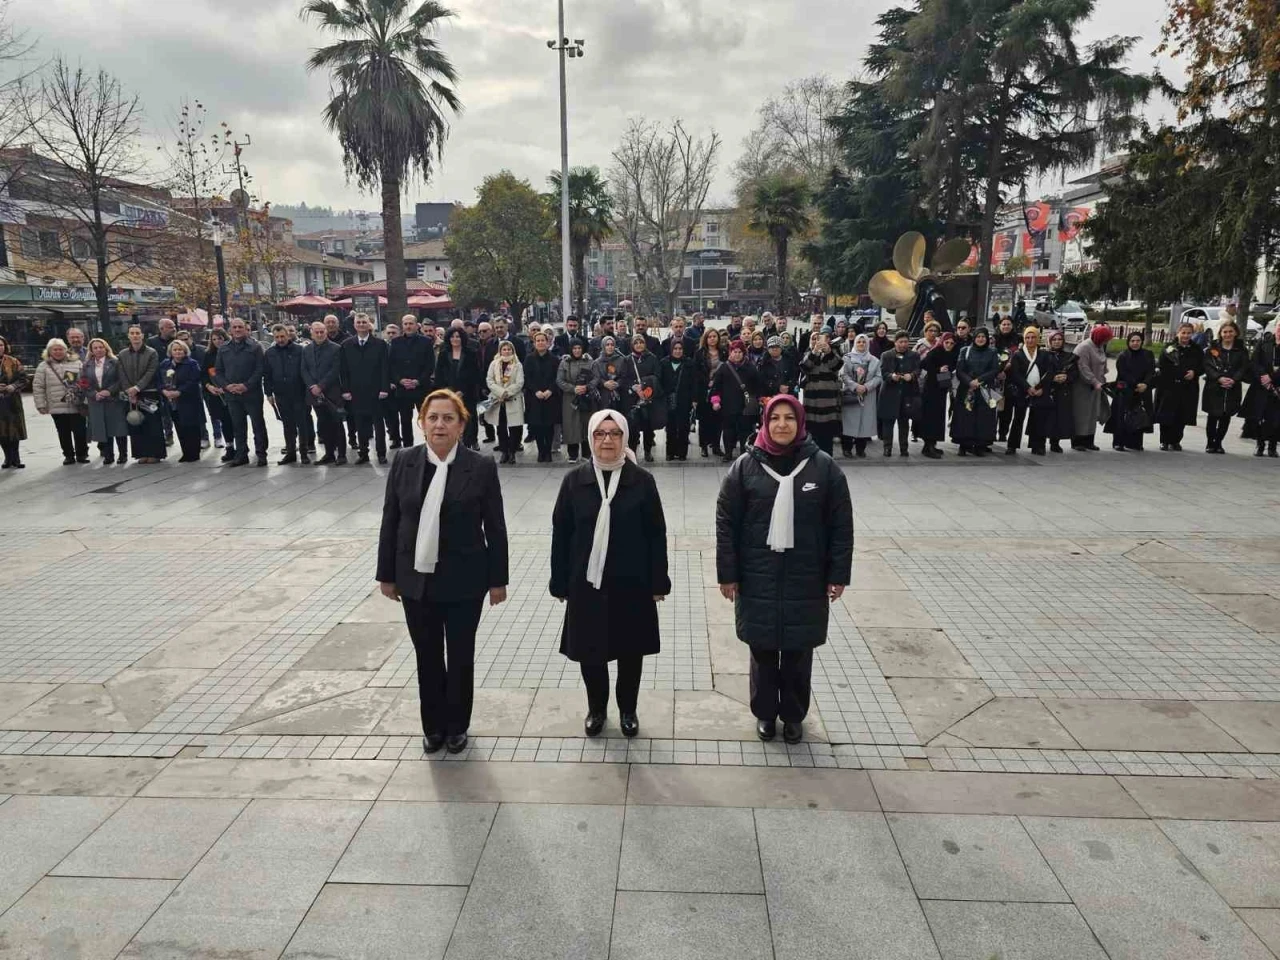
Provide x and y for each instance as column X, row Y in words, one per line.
column 779, row 210
column 389, row 100
column 590, row 219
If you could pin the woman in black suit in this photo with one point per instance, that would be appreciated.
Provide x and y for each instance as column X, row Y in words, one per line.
column 442, row 548
column 458, row 369
column 609, row 561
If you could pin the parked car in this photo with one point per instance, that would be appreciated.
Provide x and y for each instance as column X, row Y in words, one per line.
column 1069, row 316
column 1211, row 319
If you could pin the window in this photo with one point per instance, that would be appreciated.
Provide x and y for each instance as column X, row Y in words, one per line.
column 30, row 242
column 40, row 244
column 81, row 249
column 137, row 254
column 348, row 277
column 50, row 245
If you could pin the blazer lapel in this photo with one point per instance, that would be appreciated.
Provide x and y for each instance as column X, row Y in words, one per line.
column 459, row 473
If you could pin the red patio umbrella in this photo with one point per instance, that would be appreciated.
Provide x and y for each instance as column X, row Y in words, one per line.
column 305, row 302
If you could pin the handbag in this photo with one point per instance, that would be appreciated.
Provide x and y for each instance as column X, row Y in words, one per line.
column 750, row 405
column 1136, row 419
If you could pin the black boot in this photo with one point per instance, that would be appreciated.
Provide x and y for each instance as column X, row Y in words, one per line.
column 1259, row 450
column 888, row 448
column 1271, row 449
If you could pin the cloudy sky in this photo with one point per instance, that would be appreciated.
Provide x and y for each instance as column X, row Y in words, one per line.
column 710, row 62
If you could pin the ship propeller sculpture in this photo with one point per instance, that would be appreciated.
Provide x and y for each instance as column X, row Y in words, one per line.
column 912, row 288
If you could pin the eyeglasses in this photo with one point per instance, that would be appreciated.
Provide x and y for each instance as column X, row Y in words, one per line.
column 607, row 435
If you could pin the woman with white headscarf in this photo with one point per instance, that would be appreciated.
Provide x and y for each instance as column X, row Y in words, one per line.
column 784, row 552
column 441, row 551
column 609, row 562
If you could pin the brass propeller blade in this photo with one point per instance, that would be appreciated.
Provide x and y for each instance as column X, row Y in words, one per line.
column 951, row 254
column 903, row 316
column 891, row 290
column 908, row 255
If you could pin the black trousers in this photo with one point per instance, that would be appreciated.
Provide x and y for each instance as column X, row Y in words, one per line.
column 904, row 426
column 109, row 452
column 243, row 409
column 678, row 436
column 736, row 430
column 542, row 437
column 218, row 416
column 780, row 684
column 1171, row 433
column 1083, row 440
column 508, row 437
column 188, row 437
column 406, row 409
column 329, row 427
column 73, row 435
column 444, row 641
column 368, row 424
column 1215, row 429
column 1003, row 419
column 471, row 432
column 627, row 692
column 10, row 448
column 708, row 427
column 824, row 435
column 296, row 418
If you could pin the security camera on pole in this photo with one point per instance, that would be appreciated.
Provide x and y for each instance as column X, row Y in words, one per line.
column 571, row 49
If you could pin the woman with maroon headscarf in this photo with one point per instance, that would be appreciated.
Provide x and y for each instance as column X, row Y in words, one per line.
column 784, row 552
column 1087, row 398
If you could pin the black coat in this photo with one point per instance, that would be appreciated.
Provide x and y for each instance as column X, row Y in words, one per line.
column 1219, row 362
column 282, row 373
column 678, row 388
column 322, row 367
column 935, row 391
column 782, row 597
column 1176, row 396
column 973, row 421
column 411, row 358
column 900, row 397
column 734, row 390
column 463, row 378
column 1133, row 367
column 473, row 528
column 775, row 374
column 621, row 618
column 540, row 374
column 1062, row 426
column 644, row 370
column 1020, row 370
column 365, row 373
column 1262, row 403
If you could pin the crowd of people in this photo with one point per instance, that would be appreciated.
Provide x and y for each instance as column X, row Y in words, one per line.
column 350, row 388
column 784, row 553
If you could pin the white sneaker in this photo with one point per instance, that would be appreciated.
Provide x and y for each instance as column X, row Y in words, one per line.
column 219, row 443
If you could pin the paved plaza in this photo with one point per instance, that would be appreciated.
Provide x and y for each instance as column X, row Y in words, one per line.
column 1046, row 725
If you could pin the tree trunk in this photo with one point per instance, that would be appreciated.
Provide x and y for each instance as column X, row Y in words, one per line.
column 1146, row 327
column 780, row 251
column 990, row 206
column 393, row 249
column 100, row 262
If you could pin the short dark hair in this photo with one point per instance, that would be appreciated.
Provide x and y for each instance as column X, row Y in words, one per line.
column 900, row 334
column 279, row 328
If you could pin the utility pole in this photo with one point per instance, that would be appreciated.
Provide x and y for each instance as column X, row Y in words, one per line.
column 222, row 273
column 574, row 49
column 241, row 203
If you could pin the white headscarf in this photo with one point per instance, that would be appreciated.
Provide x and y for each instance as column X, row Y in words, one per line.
column 426, row 550
column 600, row 536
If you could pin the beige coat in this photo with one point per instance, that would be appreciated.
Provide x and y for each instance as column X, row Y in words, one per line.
column 50, row 387
column 509, row 394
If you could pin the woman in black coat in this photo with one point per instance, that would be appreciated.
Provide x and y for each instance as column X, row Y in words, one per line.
column 541, row 394
column 1062, row 418
column 219, row 416
column 1262, row 403
column 779, row 371
column 646, row 408
column 458, row 369
column 1005, row 342
column 783, row 567
column 973, row 419
column 735, row 386
column 1131, row 398
column 609, row 562
column 1030, row 371
column 179, row 380
column 677, row 377
column 1226, row 365
column 1177, row 388
column 899, row 398
column 937, row 378
column 441, row 550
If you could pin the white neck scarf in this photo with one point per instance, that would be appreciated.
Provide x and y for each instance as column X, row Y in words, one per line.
column 600, row 536
column 426, row 551
column 782, row 522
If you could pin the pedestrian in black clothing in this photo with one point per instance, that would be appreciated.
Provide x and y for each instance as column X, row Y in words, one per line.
column 365, row 383
column 1030, row 372
column 168, row 332
column 881, row 342
column 778, row 372
column 735, row 392
column 937, row 379
column 1005, row 342
column 677, row 377
column 219, row 417
column 239, row 373
column 1131, row 399
column 441, row 550
column 973, row 415
column 283, row 383
column 784, row 553
column 679, row 334
column 710, row 355
column 1177, row 387
column 322, row 377
column 1262, row 402
column 651, row 344
column 179, row 380
column 1062, row 420
column 609, row 566
column 563, row 342
column 542, row 395
column 1226, row 365
column 639, row 383
column 458, row 369
column 899, row 399
column 411, row 363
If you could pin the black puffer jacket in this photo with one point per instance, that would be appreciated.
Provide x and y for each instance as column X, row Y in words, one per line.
column 782, row 597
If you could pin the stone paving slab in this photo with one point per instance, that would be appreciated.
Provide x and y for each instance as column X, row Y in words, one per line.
column 293, row 779
column 78, row 776
column 966, row 930
column 689, row 849
column 910, row 791
column 417, row 843
column 383, row 922
column 37, row 832
column 89, row 918
column 684, row 926
column 1240, row 860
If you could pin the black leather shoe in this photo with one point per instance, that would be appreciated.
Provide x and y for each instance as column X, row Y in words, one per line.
column 261, row 461
column 327, row 459
column 239, row 462
column 432, row 742
column 304, row 458
column 287, row 459
column 766, row 729
column 340, row 462
column 457, row 742
column 630, row 724
column 363, row 458
column 382, row 460
column 792, row 732
column 593, row 724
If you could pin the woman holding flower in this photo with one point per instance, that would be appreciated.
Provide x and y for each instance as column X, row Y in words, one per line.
column 179, row 380
column 57, row 392
column 107, row 426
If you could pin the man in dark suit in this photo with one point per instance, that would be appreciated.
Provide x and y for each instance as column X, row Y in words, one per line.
column 238, row 371
column 679, row 335
column 411, row 359
column 651, row 344
column 366, row 380
column 322, row 374
column 282, row 382
column 501, row 331
column 606, row 330
column 571, row 332
column 806, row 336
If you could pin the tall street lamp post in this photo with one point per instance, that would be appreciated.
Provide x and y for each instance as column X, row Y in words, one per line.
column 570, row 49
